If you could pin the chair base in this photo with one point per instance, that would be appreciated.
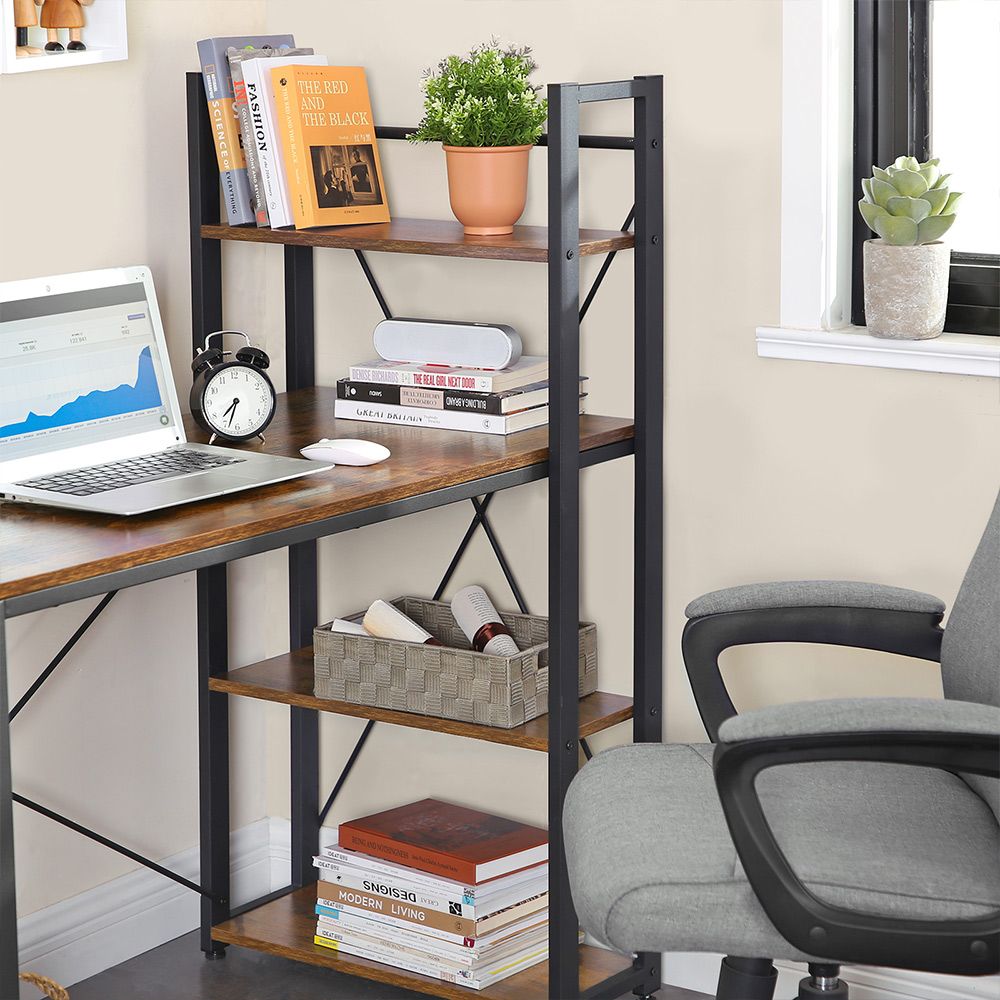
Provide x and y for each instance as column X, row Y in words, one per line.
column 746, row 979
column 823, row 981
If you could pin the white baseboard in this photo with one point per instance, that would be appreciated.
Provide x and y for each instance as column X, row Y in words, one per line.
column 82, row 936
column 700, row 972
column 86, row 934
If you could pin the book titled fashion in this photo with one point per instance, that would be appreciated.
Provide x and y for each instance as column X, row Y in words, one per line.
column 456, row 400
column 332, row 166
column 524, row 371
column 249, row 106
column 410, row 416
column 454, row 841
column 222, row 114
column 270, row 154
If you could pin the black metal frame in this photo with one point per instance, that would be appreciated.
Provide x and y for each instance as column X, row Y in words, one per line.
column 892, row 81
column 960, row 947
column 562, row 470
column 908, row 633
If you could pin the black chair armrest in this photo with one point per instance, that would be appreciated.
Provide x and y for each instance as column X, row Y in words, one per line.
column 909, row 633
column 964, row 947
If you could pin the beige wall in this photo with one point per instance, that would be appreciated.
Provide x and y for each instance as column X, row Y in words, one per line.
column 774, row 469
column 93, row 174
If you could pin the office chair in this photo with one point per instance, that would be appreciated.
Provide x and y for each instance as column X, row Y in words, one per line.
column 800, row 835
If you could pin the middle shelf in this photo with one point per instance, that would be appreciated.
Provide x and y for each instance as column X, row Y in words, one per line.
column 288, row 679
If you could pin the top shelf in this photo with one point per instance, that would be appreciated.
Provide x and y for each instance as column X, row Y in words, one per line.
column 434, row 237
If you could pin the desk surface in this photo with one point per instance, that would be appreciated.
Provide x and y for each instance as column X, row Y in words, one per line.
column 42, row 548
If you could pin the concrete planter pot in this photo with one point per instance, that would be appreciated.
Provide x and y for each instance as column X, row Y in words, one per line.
column 906, row 289
column 488, row 187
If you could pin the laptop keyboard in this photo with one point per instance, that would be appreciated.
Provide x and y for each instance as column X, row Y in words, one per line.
column 129, row 472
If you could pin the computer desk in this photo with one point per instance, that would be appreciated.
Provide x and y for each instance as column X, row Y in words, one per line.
column 50, row 557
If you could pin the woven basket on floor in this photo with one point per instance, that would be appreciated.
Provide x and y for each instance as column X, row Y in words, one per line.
column 450, row 682
column 48, row 986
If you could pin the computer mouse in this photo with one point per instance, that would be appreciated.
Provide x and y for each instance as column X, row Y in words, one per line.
column 346, row 451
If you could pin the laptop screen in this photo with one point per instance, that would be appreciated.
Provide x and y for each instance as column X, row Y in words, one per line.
column 78, row 368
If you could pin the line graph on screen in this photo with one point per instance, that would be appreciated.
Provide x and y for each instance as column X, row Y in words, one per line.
column 42, row 396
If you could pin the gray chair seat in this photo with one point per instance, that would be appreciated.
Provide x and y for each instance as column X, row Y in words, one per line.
column 655, row 868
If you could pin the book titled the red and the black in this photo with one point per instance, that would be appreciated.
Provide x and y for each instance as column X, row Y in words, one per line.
column 459, row 843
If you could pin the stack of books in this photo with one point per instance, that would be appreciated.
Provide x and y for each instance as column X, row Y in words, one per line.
column 294, row 136
column 463, row 399
column 439, row 890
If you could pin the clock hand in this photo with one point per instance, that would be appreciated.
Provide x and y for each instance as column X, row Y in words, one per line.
column 232, row 405
column 232, row 412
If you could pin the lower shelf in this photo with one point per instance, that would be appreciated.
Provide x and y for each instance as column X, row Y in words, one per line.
column 285, row 927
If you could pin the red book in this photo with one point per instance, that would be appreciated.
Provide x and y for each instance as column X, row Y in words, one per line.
column 458, row 843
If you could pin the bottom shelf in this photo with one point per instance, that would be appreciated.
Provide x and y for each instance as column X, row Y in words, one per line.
column 285, row 927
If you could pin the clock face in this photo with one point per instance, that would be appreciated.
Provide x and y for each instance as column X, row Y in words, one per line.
column 238, row 401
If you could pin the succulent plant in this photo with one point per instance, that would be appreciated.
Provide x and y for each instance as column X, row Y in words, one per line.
column 908, row 203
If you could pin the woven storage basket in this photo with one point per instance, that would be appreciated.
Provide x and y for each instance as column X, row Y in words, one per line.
column 450, row 683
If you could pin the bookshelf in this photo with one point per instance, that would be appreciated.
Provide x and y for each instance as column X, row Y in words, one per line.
column 440, row 467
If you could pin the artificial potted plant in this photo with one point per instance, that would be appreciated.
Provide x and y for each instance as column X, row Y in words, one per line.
column 487, row 115
column 909, row 206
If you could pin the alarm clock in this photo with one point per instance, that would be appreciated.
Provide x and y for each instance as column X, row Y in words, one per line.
column 232, row 399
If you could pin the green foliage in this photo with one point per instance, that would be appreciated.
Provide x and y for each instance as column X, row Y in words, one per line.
column 908, row 203
column 484, row 99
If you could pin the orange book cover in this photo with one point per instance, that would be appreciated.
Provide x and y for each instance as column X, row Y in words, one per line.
column 332, row 166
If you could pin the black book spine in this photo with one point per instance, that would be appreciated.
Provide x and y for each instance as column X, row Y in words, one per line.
column 458, row 400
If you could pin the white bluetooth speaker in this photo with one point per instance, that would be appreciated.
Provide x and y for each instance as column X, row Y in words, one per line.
column 442, row 342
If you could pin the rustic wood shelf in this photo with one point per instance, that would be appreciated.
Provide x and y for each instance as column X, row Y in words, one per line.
column 288, row 679
column 434, row 237
column 285, row 927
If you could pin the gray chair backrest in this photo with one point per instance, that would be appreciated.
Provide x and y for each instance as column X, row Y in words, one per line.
column 970, row 649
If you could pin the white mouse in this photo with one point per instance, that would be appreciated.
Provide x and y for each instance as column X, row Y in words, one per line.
column 346, row 451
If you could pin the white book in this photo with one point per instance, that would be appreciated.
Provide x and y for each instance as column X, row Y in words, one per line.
column 481, row 955
column 270, row 151
column 362, row 920
column 527, row 369
column 474, row 980
column 449, row 420
column 453, row 901
column 336, row 855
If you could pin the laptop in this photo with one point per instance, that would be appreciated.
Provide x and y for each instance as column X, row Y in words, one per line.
column 78, row 430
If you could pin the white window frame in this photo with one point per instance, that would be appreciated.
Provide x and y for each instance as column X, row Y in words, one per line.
column 817, row 206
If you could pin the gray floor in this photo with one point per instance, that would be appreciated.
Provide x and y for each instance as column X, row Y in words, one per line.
column 177, row 971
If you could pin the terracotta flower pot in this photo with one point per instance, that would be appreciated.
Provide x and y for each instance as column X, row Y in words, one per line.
column 488, row 186
column 906, row 289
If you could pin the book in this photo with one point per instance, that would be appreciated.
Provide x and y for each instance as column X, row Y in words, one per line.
column 346, row 917
column 459, row 954
column 218, row 80
column 328, row 893
column 415, row 892
column 439, row 951
column 526, row 370
column 457, row 400
column 247, row 101
column 450, row 840
column 269, row 151
column 332, row 166
column 479, row 980
column 411, row 416
column 336, row 856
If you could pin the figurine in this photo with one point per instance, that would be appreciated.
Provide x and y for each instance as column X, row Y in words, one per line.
column 24, row 18
column 58, row 14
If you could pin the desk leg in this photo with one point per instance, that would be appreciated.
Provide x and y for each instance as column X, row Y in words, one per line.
column 213, row 743
column 304, row 722
column 8, row 894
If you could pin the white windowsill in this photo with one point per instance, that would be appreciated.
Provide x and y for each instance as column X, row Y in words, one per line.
column 951, row 353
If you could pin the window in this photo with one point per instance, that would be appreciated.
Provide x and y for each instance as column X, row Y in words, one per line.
column 926, row 78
